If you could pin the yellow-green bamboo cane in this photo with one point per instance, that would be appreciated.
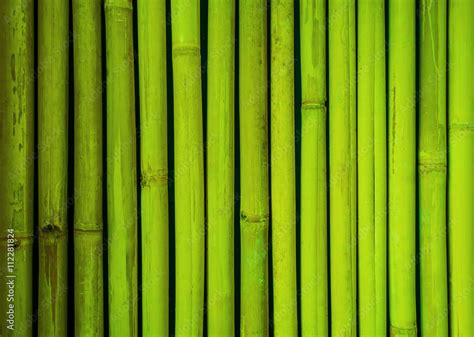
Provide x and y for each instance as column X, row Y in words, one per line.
column 16, row 166
column 254, row 206
column 88, row 224
column 402, row 167
column 283, row 169
column 189, row 167
column 314, row 266
column 342, row 166
column 154, row 166
column 53, row 51
column 220, row 168
column 461, row 167
column 121, row 170
column 372, row 169
column 432, row 169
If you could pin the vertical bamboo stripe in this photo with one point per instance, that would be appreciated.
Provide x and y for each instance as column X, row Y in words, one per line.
column 189, row 167
column 53, row 51
column 461, row 167
column 402, row 167
column 283, row 168
column 372, row 169
column 121, row 170
column 154, row 167
column 254, row 208
column 16, row 164
column 342, row 166
column 88, row 252
column 220, row 169
column 432, row 169
column 314, row 246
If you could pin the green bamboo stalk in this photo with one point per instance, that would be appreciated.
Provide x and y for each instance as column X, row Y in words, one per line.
column 189, row 167
column 88, row 223
column 53, row 50
column 154, row 166
column 220, row 168
column 254, row 206
column 372, row 167
column 342, row 166
column 16, row 165
column 283, row 169
column 402, row 168
column 314, row 267
column 461, row 167
column 121, row 170
column 432, row 169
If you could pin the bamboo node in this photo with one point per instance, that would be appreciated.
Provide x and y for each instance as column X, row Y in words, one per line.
column 319, row 106
column 426, row 167
column 52, row 229
column 462, row 127
column 395, row 331
column 253, row 218
column 18, row 236
column 19, row 240
column 88, row 228
column 160, row 177
column 186, row 50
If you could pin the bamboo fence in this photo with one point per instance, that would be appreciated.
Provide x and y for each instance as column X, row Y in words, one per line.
column 222, row 167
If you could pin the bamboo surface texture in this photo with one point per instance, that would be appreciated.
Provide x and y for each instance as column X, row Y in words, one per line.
column 372, row 169
column 189, row 167
column 342, row 167
column 402, row 167
column 314, row 224
column 252, row 167
column 283, row 169
column 220, row 169
column 53, row 54
column 461, row 166
column 121, row 171
column 88, row 219
column 254, row 183
column 154, row 167
column 432, row 169
column 17, row 151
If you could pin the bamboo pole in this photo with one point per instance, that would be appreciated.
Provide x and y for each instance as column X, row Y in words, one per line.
column 53, row 50
column 154, row 167
column 121, row 170
column 16, row 166
column 432, row 169
column 402, row 168
column 283, row 168
column 220, row 168
column 342, row 166
column 314, row 266
column 189, row 167
column 253, row 168
column 461, row 167
column 372, row 167
column 88, row 224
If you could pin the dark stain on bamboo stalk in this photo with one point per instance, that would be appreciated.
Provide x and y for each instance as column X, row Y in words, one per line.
column 160, row 177
column 254, row 218
column 12, row 66
column 52, row 228
column 51, row 249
